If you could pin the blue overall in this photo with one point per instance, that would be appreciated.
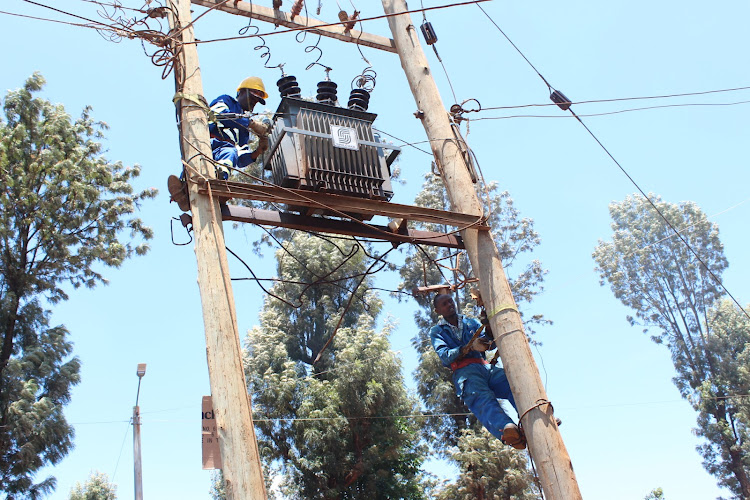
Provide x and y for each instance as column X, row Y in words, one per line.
column 230, row 139
column 479, row 385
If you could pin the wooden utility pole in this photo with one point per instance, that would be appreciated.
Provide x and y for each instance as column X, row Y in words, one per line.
column 232, row 410
column 544, row 440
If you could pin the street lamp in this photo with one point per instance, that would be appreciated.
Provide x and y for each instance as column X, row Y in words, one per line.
column 138, row 475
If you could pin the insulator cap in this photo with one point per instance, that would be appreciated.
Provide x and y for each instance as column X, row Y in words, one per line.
column 288, row 87
column 359, row 99
column 327, row 92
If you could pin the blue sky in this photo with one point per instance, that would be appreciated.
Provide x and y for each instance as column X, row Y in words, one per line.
column 625, row 426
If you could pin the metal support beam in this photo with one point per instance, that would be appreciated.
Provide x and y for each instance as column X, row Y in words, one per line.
column 269, row 15
column 349, row 228
column 344, row 204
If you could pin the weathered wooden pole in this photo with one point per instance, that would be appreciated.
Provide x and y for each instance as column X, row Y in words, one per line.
column 545, row 443
column 232, row 410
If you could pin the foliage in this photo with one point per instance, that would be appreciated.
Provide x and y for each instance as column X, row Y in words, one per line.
column 458, row 437
column 36, row 385
column 656, row 494
column 64, row 208
column 218, row 486
column 515, row 237
column 337, row 426
column 654, row 273
column 97, row 487
column 489, row 470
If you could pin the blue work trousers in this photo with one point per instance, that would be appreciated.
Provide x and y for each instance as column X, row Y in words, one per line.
column 480, row 386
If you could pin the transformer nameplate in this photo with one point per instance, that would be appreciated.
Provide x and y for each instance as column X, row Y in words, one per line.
column 344, row 137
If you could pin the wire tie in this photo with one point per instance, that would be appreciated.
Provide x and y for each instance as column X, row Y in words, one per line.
column 539, row 402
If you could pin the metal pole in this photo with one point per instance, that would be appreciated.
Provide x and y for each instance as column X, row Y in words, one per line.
column 138, row 472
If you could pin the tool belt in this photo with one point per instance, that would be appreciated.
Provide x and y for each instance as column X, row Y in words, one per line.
column 466, row 362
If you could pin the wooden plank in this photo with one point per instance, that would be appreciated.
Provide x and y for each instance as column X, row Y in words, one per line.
column 349, row 228
column 269, row 15
column 345, row 204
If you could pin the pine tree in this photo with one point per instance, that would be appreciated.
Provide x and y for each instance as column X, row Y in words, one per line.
column 96, row 487
column 424, row 266
column 63, row 209
column 340, row 426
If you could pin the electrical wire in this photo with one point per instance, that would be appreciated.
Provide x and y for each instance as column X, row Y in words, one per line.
column 664, row 218
column 653, row 205
column 119, row 455
column 404, row 143
column 339, row 23
column 416, row 416
column 618, row 99
column 605, row 113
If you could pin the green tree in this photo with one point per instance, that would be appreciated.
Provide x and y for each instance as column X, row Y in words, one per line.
column 489, row 470
column 516, row 238
column 339, row 427
column 97, row 487
column 64, row 208
column 652, row 272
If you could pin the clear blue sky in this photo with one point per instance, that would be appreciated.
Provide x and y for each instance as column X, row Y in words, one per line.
column 625, row 426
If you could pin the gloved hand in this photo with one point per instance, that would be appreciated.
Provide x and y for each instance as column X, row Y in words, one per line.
column 262, row 144
column 261, row 129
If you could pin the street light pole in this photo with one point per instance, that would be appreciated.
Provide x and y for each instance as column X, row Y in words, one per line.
column 138, row 472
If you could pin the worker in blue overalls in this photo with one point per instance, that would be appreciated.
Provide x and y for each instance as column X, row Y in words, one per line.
column 233, row 133
column 477, row 383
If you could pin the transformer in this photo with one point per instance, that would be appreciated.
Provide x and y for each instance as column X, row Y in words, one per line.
column 321, row 147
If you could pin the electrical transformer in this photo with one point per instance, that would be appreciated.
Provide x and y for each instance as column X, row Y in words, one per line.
column 321, row 147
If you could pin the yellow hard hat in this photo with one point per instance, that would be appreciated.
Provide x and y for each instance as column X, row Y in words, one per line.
column 254, row 83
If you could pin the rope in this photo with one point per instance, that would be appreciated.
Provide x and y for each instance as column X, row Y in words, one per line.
column 197, row 99
column 503, row 308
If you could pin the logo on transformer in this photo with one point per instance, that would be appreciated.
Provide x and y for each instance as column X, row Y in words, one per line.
column 344, row 137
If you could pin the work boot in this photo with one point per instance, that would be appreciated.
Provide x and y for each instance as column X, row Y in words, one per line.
column 178, row 192
column 513, row 436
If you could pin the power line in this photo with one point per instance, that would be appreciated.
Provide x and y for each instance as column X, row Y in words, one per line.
column 617, row 99
column 567, row 106
column 461, row 414
column 605, row 113
column 339, row 23
column 119, row 455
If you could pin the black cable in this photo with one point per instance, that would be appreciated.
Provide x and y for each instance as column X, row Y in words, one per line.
column 594, row 101
column 514, row 46
column 689, row 247
column 628, row 110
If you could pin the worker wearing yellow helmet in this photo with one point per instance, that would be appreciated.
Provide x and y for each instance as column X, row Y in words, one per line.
column 238, row 138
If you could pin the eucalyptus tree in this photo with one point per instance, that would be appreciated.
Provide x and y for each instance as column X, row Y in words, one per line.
column 65, row 211
column 331, row 407
column 676, row 295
